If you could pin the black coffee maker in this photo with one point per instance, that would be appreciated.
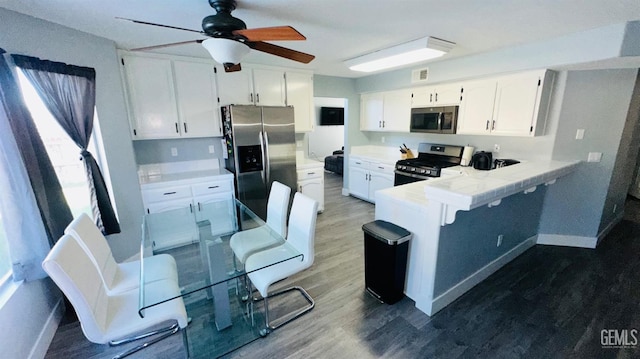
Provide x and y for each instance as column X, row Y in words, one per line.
column 482, row 160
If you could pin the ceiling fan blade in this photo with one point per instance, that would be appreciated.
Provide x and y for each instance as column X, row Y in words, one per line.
column 161, row 25
column 232, row 67
column 281, row 51
column 276, row 33
column 167, row 45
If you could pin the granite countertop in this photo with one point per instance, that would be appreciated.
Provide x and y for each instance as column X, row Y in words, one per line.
column 306, row 163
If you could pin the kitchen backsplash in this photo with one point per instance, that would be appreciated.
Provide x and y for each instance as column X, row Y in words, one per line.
column 188, row 149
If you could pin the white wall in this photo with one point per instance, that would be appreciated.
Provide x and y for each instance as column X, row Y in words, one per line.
column 325, row 139
column 23, row 315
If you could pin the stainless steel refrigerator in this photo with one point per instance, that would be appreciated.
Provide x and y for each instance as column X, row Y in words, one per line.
column 261, row 148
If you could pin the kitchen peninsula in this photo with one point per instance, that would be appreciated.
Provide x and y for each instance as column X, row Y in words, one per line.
column 466, row 226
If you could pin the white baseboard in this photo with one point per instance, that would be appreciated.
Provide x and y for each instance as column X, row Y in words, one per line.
column 471, row 281
column 345, row 191
column 567, row 241
column 41, row 346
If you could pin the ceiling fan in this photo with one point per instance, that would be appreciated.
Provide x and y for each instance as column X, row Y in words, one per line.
column 229, row 39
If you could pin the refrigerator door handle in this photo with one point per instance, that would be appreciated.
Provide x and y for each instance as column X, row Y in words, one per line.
column 262, row 152
column 266, row 160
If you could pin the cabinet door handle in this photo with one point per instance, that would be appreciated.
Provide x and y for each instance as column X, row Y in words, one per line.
column 380, row 167
column 177, row 129
column 311, row 173
column 379, row 123
column 168, row 193
column 493, row 125
column 382, row 124
column 487, row 128
column 257, row 98
column 212, row 187
column 199, row 207
column 185, row 127
column 436, row 97
column 430, row 97
column 358, row 163
column 251, row 97
column 190, row 207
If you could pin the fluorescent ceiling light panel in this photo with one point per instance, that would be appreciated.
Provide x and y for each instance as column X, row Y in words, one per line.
column 408, row 53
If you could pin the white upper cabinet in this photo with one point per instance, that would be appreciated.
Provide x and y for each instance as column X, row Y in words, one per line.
column 252, row 86
column 171, row 98
column 371, row 111
column 385, row 111
column 513, row 105
column 197, row 99
column 396, row 111
column 300, row 95
column 152, row 98
column 440, row 95
column 269, row 87
column 476, row 109
column 235, row 88
column 518, row 104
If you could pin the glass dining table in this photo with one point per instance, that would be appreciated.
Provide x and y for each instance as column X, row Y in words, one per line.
column 209, row 277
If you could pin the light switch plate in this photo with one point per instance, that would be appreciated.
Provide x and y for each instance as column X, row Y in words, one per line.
column 174, row 151
column 580, row 134
column 211, row 149
column 594, row 157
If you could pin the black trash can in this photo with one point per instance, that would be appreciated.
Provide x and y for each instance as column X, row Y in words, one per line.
column 385, row 260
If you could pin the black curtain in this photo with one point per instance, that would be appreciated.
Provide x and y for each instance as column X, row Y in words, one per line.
column 52, row 204
column 69, row 93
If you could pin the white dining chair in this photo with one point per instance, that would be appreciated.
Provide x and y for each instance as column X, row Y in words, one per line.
column 301, row 236
column 106, row 317
column 118, row 277
column 245, row 243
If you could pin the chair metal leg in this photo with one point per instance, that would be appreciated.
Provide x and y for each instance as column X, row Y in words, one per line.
column 169, row 331
column 289, row 317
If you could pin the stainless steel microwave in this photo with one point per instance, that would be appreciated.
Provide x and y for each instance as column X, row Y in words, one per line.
column 441, row 119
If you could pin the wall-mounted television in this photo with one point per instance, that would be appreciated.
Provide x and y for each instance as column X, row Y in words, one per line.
column 331, row 116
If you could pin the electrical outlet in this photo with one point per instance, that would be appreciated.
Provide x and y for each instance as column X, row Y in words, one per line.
column 382, row 139
column 174, row 151
column 500, row 236
column 580, row 134
column 496, row 148
column 211, row 149
column 594, row 157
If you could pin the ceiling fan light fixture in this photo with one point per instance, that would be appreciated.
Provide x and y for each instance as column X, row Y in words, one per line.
column 419, row 50
column 225, row 51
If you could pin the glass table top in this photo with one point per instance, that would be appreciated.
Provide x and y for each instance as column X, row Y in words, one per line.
column 209, row 276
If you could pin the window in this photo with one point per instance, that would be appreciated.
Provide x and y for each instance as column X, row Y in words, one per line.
column 63, row 152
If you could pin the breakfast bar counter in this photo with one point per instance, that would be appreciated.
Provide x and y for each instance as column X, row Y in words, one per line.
column 467, row 224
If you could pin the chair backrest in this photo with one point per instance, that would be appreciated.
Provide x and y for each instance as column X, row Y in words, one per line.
column 302, row 226
column 95, row 244
column 277, row 207
column 72, row 270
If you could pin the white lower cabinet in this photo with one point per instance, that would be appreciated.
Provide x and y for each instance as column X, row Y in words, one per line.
column 311, row 183
column 367, row 177
column 179, row 203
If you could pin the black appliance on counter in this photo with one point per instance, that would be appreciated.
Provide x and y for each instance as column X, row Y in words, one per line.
column 482, row 160
column 431, row 159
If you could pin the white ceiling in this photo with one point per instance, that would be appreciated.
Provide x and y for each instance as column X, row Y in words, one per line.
column 337, row 30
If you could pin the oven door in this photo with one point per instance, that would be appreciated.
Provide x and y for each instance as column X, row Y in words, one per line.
column 404, row 178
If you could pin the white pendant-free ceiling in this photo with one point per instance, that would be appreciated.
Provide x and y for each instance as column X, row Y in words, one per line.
column 338, row 30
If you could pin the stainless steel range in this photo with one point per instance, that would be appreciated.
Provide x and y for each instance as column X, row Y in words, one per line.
column 429, row 163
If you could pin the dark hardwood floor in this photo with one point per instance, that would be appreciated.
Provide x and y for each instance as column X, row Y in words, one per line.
column 551, row 302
